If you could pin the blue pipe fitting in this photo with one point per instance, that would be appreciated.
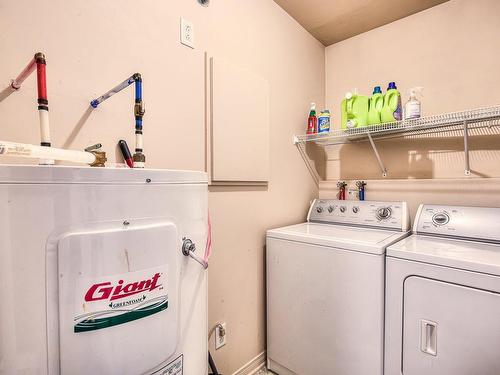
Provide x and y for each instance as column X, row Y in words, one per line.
column 361, row 189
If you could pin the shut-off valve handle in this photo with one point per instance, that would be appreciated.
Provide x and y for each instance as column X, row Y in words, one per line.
column 189, row 248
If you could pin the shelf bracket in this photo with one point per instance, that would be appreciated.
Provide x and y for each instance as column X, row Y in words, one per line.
column 466, row 148
column 377, row 155
column 309, row 163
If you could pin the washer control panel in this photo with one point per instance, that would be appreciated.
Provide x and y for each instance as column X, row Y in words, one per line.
column 393, row 215
column 481, row 223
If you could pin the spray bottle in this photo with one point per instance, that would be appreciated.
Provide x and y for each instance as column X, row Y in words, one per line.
column 312, row 121
column 413, row 107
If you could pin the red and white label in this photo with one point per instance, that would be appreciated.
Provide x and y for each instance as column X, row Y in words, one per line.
column 136, row 293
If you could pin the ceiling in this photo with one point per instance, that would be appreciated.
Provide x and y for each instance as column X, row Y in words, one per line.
column 331, row 21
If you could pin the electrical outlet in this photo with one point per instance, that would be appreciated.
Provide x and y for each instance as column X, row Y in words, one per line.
column 220, row 336
column 187, row 33
column 353, row 194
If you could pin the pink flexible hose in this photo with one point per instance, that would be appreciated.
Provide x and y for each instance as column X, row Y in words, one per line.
column 208, row 246
column 16, row 84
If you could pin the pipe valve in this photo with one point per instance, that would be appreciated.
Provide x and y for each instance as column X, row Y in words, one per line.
column 189, row 248
column 361, row 189
column 341, row 185
column 139, row 109
column 100, row 156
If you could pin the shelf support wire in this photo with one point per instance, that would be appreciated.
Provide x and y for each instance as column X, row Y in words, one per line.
column 375, row 151
column 466, row 148
column 310, row 166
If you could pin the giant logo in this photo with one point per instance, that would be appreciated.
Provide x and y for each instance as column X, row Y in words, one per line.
column 106, row 290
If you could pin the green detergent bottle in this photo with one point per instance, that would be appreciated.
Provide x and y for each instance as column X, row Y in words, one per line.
column 354, row 111
column 375, row 106
column 392, row 110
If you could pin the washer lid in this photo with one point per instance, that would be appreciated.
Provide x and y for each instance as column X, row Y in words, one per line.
column 464, row 254
column 366, row 240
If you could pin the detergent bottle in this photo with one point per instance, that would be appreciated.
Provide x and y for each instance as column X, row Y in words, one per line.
column 413, row 107
column 354, row 111
column 391, row 111
column 375, row 106
column 324, row 121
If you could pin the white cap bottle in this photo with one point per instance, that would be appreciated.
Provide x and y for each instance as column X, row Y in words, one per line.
column 413, row 107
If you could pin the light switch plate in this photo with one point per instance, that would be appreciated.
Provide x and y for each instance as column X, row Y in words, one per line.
column 187, row 33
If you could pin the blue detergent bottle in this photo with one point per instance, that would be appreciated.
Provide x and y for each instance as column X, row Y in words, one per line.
column 392, row 110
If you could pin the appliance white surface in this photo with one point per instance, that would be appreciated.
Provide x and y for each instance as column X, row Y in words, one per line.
column 479, row 223
column 390, row 215
column 367, row 240
column 325, row 296
column 452, row 283
column 38, row 174
column 450, row 252
column 61, row 224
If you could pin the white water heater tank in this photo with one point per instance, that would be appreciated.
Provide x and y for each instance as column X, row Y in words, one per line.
column 92, row 275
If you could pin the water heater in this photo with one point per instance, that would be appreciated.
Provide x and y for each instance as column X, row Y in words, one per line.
column 92, row 274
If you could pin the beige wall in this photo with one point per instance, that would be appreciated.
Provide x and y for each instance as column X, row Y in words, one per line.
column 93, row 45
column 449, row 50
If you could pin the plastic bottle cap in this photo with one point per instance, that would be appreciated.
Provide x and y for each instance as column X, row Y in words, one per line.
column 351, row 123
column 348, row 95
column 392, row 85
column 416, row 90
column 377, row 90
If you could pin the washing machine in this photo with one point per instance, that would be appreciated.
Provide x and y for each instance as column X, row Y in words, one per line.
column 443, row 294
column 93, row 278
column 325, row 288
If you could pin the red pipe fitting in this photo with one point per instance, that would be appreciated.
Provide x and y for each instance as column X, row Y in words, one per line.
column 341, row 186
column 41, row 77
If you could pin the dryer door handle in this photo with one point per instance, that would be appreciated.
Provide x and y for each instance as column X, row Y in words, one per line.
column 428, row 337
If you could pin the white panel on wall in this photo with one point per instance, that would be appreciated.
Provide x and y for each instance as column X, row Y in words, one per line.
column 239, row 128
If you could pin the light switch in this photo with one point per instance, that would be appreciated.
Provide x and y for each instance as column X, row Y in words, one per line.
column 187, row 33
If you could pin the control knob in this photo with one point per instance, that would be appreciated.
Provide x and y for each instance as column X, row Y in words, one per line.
column 384, row 213
column 330, row 209
column 355, row 210
column 342, row 209
column 319, row 209
column 440, row 218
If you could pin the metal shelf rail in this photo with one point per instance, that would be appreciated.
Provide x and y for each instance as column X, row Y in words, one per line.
column 471, row 122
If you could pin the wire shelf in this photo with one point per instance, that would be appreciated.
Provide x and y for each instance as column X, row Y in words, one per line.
column 476, row 119
column 475, row 122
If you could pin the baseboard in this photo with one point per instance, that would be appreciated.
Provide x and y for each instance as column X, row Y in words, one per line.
column 253, row 366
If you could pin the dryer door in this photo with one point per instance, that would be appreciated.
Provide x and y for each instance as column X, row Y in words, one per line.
column 449, row 329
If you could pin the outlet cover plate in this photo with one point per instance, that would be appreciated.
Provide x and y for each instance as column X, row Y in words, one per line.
column 220, row 341
column 187, row 33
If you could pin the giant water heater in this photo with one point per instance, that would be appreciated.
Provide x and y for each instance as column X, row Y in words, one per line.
column 93, row 279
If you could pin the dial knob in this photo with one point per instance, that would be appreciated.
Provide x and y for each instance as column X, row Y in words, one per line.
column 342, row 209
column 355, row 210
column 440, row 218
column 384, row 213
column 319, row 209
column 330, row 209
